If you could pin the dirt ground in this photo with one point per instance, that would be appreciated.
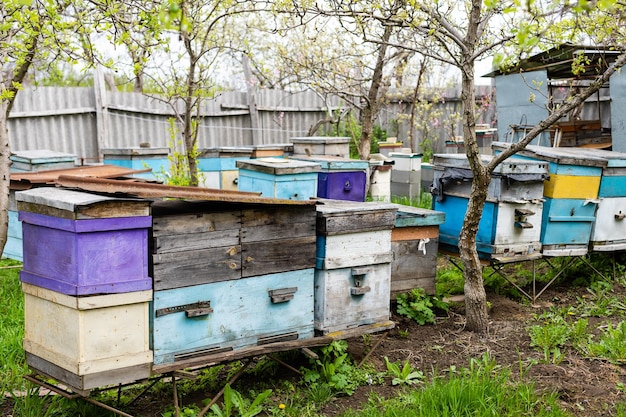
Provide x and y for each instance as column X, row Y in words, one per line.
column 587, row 387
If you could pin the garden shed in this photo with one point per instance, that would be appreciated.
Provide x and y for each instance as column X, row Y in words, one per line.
column 526, row 93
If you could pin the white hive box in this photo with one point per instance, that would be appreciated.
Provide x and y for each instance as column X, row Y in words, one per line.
column 87, row 342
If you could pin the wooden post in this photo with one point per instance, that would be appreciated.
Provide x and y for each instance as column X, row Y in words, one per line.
column 254, row 113
column 102, row 115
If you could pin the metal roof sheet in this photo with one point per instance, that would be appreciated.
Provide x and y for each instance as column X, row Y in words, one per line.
column 160, row 191
column 24, row 180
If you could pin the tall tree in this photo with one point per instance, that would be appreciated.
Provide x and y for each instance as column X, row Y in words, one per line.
column 35, row 31
column 186, row 67
column 334, row 52
column 460, row 34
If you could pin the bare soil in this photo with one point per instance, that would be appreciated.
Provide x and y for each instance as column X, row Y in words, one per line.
column 586, row 386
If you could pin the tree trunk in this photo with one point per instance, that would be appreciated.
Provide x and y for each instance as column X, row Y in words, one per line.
column 5, row 176
column 475, row 295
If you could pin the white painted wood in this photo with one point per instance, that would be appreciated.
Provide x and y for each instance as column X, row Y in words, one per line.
column 336, row 306
column 609, row 230
column 506, row 231
column 87, row 335
column 356, row 249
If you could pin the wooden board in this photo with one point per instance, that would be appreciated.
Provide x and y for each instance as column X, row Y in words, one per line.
column 86, row 335
column 82, row 384
column 364, row 248
column 571, row 186
column 347, row 298
column 194, row 267
column 75, row 205
column 344, row 217
column 237, row 314
column 414, row 265
column 272, row 256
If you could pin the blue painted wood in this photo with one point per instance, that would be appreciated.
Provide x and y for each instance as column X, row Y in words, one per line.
column 158, row 166
column 13, row 247
column 408, row 216
column 242, row 315
column 41, row 159
column 298, row 186
column 455, row 209
column 342, row 185
column 612, row 187
column 567, row 221
column 219, row 164
column 80, row 257
column 498, row 235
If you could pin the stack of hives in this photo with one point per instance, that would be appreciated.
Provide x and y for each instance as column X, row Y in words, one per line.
column 353, row 268
column 230, row 276
column 86, row 285
column 571, row 196
column 510, row 226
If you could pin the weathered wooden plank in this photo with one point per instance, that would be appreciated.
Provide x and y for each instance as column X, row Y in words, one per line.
column 194, row 267
column 200, row 222
column 282, row 255
column 195, row 241
column 68, row 204
column 355, row 222
column 82, row 384
column 277, row 222
column 349, row 297
column 354, row 249
column 414, row 265
column 248, row 352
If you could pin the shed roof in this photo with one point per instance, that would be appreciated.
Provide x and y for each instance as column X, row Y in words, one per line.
column 558, row 61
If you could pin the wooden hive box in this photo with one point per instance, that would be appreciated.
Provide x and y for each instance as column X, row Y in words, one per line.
column 230, row 276
column 570, row 192
column 353, row 271
column 87, row 342
column 211, row 318
column 219, row 166
column 78, row 243
column 514, row 180
column 139, row 158
column 279, row 178
column 198, row 243
column 339, row 178
column 41, row 159
column 321, row 145
column 415, row 243
column 507, row 231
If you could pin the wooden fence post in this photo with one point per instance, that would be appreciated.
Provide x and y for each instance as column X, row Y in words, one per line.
column 102, row 115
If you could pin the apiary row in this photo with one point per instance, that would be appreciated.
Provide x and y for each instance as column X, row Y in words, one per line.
column 117, row 287
column 541, row 202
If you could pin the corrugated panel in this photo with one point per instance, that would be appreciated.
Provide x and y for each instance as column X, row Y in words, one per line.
column 65, row 120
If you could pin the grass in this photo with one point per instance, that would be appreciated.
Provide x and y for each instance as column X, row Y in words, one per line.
column 12, row 366
column 477, row 391
column 481, row 389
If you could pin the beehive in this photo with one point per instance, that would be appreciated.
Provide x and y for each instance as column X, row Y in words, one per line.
column 87, row 342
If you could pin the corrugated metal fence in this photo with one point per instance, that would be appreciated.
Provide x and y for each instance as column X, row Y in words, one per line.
column 79, row 121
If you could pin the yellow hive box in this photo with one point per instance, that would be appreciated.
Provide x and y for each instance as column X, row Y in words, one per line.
column 571, row 186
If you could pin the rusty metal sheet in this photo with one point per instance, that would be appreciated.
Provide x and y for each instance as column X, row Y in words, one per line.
column 151, row 190
column 22, row 180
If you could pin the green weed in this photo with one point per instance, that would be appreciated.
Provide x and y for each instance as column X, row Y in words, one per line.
column 403, row 375
column 419, row 306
